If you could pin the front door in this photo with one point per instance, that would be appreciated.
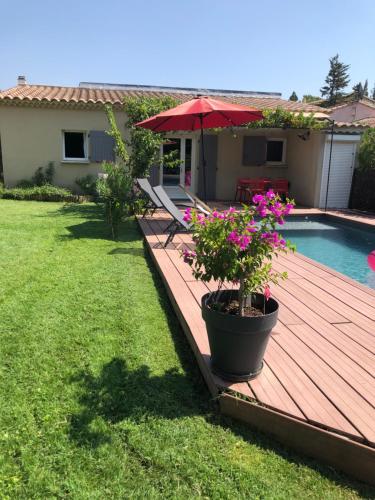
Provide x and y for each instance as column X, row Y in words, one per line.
column 172, row 177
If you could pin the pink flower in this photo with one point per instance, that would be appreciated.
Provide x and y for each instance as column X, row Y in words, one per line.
column 262, row 211
column 233, row 237
column 215, row 214
column 187, row 216
column 201, row 219
column 270, row 194
column 258, row 198
column 232, row 210
column 188, row 256
column 267, row 292
column 244, row 243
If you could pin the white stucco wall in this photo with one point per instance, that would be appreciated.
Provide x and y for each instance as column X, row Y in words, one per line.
column 31, row 137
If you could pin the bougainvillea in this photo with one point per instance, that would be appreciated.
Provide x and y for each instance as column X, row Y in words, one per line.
column 237, row 246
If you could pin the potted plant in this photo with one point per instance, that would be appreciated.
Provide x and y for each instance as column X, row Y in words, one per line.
column 235, row 248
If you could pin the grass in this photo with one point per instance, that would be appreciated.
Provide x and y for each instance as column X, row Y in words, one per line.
column 100, row 394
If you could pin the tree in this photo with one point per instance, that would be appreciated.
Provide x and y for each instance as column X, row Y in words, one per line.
column 373, row 92
column 358, row 91
column 336, row 80
column 365, row 88
column 144, row 144
column 366, row 154
column 293, row 97
column 310, row 98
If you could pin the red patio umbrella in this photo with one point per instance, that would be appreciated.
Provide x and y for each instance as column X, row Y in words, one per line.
column 202, row 112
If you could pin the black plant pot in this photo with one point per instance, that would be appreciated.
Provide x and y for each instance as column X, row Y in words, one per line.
column 238, row 343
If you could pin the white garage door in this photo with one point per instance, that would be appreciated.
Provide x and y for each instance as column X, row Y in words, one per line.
column 341, row 173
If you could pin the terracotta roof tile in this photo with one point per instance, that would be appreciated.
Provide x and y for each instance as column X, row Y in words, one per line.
column 51, row 94
column 366, row 122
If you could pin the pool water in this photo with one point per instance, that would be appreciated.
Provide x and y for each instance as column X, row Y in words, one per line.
column 341, row 245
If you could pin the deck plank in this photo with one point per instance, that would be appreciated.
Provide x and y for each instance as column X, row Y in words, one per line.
column 319, row 365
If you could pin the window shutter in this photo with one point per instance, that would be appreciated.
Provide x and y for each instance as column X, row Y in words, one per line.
column 102, row 146
column 254, row 150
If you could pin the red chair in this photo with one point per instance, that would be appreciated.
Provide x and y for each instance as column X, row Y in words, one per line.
column 241, row 190
column 254, row 186
column 281, row 187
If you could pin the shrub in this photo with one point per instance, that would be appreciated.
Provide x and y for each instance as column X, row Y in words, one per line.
column 25, row 183
column 39, row 193
column 87, row 184
column 115, row 191
column 44, row 175
column 366, row 154
column 231, row 247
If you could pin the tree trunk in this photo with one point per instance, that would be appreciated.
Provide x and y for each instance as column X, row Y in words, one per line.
column 241, row 297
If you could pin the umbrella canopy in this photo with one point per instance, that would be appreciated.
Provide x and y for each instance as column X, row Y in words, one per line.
column 200, row 113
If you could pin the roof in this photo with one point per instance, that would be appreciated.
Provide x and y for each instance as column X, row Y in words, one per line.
column 56, row 96
column 366, row 122
column 366, row 101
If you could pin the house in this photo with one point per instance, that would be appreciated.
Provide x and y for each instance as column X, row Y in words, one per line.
column 66, row 125
column 353, row 111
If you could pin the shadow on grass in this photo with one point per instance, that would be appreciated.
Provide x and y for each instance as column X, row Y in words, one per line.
column 118, row 394
column 99, row 230
column 88, row 211
column 137, row 252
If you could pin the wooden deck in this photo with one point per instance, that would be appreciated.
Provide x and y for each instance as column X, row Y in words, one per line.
column 316, row 392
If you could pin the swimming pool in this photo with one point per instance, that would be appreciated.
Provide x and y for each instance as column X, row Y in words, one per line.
column 341, row 245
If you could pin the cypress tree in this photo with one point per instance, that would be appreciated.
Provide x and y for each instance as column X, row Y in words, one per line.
column 365, row 88
column 358, row 90
column 336, row 80
column 293, row 97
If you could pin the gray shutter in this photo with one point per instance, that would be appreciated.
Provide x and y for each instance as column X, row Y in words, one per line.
column 210, row 153
column 102, row 146
column 154, row 177
column 254, row 150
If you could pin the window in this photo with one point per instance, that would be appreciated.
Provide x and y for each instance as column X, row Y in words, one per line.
column 276, row 149
column 75, row 146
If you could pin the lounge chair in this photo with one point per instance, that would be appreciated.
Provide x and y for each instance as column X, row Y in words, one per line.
column 178, row 225
column 197, row 203
column 153, row 201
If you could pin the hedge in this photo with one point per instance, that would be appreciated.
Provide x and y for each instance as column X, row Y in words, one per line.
column 363, row 190
column 40, row 193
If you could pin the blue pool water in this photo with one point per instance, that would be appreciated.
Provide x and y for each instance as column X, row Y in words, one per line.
column 341, row 245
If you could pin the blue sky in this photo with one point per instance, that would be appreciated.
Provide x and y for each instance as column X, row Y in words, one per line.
column 237, row 44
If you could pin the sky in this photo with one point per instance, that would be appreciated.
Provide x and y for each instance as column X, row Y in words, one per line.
column 269, row 45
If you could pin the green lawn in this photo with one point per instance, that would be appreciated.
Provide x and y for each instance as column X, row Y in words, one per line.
column 100, row 393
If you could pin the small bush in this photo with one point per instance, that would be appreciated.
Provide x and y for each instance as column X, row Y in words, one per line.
column 39, row 193
column 25, row 183
column 87, row 185
column 115, row 192
column 44, row 175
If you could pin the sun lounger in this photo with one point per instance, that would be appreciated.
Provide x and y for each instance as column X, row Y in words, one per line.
column 153, row 201
column 178, row 224
column 197, row 203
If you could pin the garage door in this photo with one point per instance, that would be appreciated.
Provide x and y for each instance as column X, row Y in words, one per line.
column 341, row 173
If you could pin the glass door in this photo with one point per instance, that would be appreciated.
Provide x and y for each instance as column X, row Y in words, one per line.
column 172, row 177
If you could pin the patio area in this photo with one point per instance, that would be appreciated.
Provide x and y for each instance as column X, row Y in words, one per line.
column 316, row 392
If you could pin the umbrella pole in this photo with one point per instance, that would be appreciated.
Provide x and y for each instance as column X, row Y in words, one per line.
column 203, row 161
